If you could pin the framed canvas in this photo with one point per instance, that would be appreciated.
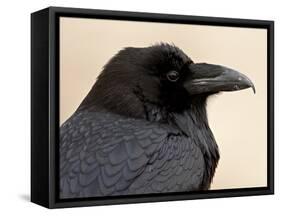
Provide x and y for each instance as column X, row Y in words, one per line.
column 139, row 107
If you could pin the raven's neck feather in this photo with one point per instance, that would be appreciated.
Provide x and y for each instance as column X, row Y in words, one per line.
column 192, row 122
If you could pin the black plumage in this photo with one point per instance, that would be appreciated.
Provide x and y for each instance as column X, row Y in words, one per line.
column 143, row 126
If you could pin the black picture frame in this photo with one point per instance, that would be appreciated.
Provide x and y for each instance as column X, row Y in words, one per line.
column 45, row 105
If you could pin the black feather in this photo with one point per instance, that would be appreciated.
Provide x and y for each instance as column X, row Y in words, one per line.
column 137, row 133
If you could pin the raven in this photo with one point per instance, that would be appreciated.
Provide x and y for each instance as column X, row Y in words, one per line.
column 143, row 126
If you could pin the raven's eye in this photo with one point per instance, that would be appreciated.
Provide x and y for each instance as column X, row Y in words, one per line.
column 173, row 76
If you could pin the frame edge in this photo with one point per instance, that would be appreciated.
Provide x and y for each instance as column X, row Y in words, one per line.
column 40, row 107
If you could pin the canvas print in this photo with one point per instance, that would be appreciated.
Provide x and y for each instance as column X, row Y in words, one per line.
column 150, row 108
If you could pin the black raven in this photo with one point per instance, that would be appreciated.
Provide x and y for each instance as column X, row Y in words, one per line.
column 143, row 126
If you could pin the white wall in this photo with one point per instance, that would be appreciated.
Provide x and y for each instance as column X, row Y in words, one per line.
column 15, row 106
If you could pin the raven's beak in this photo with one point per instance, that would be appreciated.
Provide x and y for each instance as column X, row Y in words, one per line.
column 208, row 78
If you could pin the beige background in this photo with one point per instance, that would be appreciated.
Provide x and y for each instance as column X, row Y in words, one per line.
column 237, row 119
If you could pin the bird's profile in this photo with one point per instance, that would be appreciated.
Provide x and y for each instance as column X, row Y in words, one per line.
column 143, row 126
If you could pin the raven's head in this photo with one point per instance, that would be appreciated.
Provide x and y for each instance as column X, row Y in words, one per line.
column 162, row 77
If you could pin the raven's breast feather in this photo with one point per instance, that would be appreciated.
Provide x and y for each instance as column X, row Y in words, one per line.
column 104, row 154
